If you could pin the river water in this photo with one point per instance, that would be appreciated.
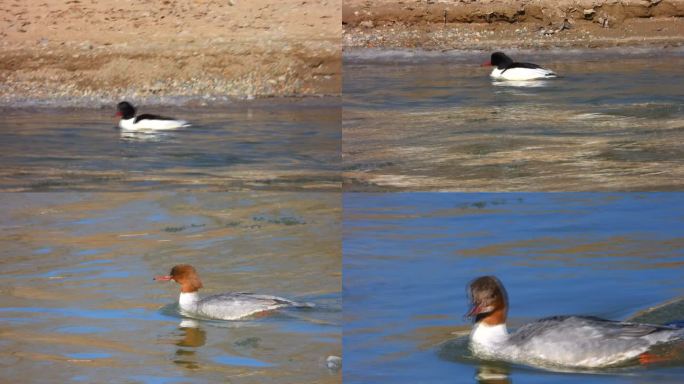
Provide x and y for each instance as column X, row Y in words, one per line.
column 272, row 144
column 79, row 304
column 409, row 256
column 420, row 121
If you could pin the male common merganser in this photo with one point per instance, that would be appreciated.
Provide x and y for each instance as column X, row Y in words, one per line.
column 224, row 306
column 130, row 121
column 561, row 341
column 507, row 69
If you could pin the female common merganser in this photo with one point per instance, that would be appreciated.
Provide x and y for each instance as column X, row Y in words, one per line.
column 565, row 341
column 507, row 69
column 224, row 306
column 130, row 121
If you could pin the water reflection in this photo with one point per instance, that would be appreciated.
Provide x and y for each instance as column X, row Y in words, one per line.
column 493, row 374
column 522, row 83
column 145, row 136
column 191, row 336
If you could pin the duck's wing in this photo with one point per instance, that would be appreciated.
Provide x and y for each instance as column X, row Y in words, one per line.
column 618, row 329
column 279, row 300
column 523, row 65
column 586, row 326
column 252, row 299
column 147, row 116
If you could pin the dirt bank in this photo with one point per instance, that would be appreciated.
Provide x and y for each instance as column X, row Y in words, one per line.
column 105, row 50
column 490, row 24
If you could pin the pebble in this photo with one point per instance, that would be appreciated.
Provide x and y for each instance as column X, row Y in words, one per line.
column 334, row 363
column 366, row 24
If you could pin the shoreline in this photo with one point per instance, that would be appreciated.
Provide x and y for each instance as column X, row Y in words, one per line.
column 518, row 24
column 75, row 103
column 68, row 75
column 103, row 51
column 362, row 55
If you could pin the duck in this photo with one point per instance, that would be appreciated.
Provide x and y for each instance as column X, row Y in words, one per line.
column 131, row 121
column 582, row 342
column 507, row 69
column 224, row 306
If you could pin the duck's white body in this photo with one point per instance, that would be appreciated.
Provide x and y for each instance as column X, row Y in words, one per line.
column 130, row 121
column 151, row 124
column 507, row 69
column 522, row 74
column 232, row 306
column 570, row 341
column 560, row 341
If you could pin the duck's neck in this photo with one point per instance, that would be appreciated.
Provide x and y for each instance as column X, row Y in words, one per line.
column 488, row 335
column 187, row 301
column 127, row 123
column 491, row 329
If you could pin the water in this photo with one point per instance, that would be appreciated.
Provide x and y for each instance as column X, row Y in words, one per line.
column 435, row 121
column 273, row 145
column 409, row 256
column 79, row 304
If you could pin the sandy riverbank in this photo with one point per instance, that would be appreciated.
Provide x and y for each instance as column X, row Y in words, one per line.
column 489, row 24
column 98, row 51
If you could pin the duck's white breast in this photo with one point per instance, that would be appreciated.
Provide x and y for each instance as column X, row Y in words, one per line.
column 521, row 74
column 130, row 124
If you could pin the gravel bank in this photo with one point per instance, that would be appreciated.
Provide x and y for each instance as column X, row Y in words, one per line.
column 489, row 24
column 78, row 53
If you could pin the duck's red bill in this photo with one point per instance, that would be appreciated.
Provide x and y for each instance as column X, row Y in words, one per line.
column 118, row 114
column 487, row 63
column 163, row 278
column 474, row 311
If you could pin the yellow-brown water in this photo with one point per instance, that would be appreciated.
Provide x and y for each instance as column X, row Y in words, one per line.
column 78, row 302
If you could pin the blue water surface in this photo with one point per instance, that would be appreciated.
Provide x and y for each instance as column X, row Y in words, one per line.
column 409, row 256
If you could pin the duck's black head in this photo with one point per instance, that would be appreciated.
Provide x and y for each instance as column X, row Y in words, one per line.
column 500, row 60
column 125, row 110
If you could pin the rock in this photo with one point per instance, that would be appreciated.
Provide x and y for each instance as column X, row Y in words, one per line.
column 565, row 25
column 589, row 14
column 334, row 363
column 604, row 23
column 366, row 24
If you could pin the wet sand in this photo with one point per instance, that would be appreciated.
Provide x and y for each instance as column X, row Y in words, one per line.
column 96, row 52
column 79, row 300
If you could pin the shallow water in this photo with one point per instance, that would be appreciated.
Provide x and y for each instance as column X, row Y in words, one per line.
column 409, row 256
column 79, row 304
column 273, row 145
column 435, row 121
